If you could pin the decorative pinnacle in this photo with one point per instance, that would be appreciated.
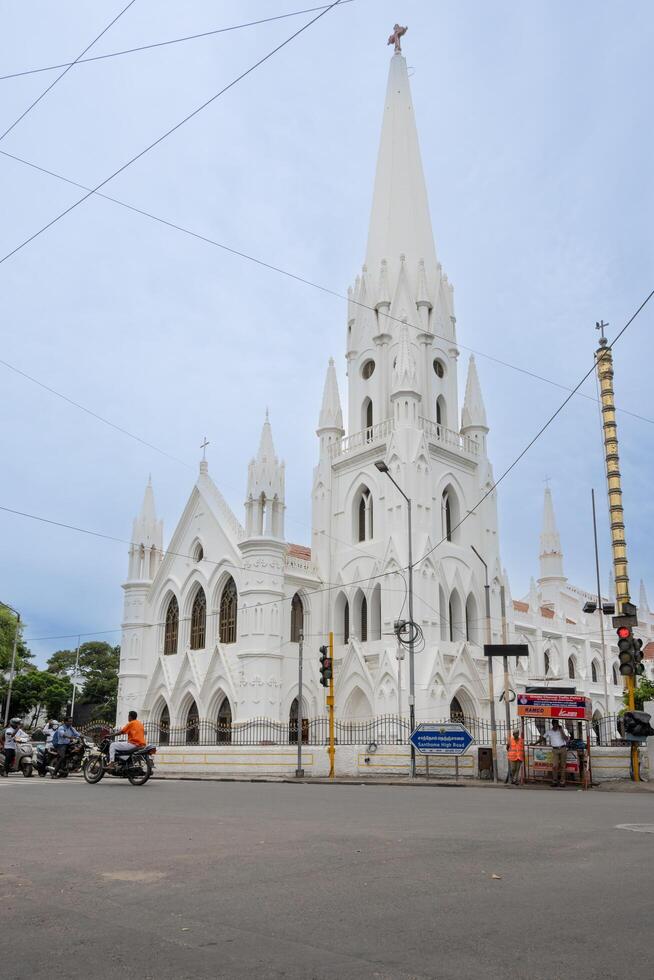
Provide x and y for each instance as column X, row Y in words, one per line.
column 599, row 325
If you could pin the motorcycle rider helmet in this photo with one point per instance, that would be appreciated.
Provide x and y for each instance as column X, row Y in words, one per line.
column 14, row 722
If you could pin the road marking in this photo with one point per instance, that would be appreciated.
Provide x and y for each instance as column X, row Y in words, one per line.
column 638, row 828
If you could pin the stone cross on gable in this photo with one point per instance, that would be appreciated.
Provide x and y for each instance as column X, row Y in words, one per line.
column 203, row 447
column 398, row 32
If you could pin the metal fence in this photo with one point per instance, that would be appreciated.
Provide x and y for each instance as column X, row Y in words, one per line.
column 383, row 730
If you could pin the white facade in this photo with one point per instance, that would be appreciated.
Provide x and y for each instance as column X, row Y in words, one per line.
column 211, row 624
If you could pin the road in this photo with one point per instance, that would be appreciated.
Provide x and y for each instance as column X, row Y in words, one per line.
column 208, row 879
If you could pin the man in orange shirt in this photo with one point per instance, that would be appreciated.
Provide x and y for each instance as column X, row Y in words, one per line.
column 515, row 751
column 135, row 737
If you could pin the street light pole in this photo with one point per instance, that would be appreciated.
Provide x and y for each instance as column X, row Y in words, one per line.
column 299, row 772
column 12, row 669
column 383, row 468
column 491, row 685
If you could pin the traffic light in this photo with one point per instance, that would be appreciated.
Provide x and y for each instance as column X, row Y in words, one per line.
column 325, row 667
column 626, row 651
column 639, row 666
column 637, row 724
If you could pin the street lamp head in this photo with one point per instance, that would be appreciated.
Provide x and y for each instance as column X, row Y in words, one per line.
column 381, row 466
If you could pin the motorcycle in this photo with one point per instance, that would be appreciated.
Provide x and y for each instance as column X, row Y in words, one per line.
column 23, row 762
column 78, row 751
column 136, row 765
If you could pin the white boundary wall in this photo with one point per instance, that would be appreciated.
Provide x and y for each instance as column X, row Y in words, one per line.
column 351, row 760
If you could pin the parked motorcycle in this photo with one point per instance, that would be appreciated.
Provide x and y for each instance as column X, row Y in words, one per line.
column 136, row 765
column 23, row 762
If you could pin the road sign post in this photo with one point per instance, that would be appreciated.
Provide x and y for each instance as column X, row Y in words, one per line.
column 449, row 738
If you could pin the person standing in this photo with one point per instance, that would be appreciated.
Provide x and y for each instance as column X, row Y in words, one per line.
column 10, row 744
column 557, row 739
column 515, row 750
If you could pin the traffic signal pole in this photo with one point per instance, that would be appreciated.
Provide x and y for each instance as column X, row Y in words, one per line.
column 604, row 364
column 330, row 705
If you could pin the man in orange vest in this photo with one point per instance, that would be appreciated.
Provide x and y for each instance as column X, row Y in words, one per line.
column 515, row 751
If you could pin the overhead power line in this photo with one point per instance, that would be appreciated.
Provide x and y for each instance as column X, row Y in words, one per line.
column 370, row 578
column 289, row 275
column 170, row 131
column 161, row 44
column 66, row 70
column 540, row 432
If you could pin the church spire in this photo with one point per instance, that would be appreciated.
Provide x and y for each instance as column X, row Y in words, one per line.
column 473, row 415
column 643, row 604
column 146, row 549
column 331, row 416
column 399, row 219
column 551, row 556
column 265, row 495
column 405, row 394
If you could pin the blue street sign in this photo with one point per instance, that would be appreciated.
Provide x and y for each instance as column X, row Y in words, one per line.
column 447, row 738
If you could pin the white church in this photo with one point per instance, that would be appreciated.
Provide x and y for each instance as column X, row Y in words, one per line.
column 212, row 621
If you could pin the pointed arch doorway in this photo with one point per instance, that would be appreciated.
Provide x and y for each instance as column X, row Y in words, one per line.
column 293, row 724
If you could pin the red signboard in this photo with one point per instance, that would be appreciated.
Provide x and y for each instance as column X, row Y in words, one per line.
column 570, row 706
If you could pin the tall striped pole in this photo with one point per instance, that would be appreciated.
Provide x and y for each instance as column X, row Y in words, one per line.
column 604, row 364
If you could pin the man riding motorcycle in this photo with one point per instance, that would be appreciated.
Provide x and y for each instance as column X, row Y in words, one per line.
column 135, row 738
column 61, row 740
column 45, row 748
column 12, row 734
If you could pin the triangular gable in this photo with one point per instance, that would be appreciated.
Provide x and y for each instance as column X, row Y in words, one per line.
column 353, row 672
column 159, row 685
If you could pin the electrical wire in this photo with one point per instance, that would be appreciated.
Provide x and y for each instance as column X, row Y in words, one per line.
column 540, row 432
column 169, row 132
column 66, row 70
column 297, row 278
column 161, row 44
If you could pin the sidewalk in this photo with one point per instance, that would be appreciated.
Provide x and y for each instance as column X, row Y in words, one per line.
column 613, row 786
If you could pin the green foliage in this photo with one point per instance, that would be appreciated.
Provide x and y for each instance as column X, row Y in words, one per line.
column 7, row 631
column 98, row 674
column 37, row 688
column 644, row 692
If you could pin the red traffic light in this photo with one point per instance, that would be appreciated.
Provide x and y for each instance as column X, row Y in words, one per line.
column 624, row 632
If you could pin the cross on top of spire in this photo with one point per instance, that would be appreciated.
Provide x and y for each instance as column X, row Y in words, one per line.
column 599, row 325
column 203, row 447
column 398, row 32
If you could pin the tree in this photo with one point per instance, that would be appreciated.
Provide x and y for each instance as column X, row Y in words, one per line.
column 644, row 692
column 98, row 674
column 7, row 632
column 40, row 692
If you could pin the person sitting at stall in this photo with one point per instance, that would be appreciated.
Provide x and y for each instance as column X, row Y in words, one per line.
column 557, row 739
column 515, row 750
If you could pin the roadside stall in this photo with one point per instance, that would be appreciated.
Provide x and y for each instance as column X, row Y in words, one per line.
column 574, row 714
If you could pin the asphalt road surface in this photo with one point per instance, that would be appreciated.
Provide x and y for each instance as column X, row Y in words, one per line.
column 205, row 880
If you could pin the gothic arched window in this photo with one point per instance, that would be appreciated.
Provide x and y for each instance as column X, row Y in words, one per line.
column 199, row 621
column 364, row 620
column 447, row 515
column 227, row 619
column 346, row 622
column 546, row 663
column 441, row 414
column 364, row 515
column 593, row 671
column 293, row 724
column 297, row 618
column 171, row 630
column 571, row 668
column 616, row 675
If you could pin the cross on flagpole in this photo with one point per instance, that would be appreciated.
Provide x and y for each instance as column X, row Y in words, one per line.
column 203, row 447
column 599, row 325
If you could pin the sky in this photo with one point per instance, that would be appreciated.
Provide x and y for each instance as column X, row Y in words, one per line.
column 534, row 123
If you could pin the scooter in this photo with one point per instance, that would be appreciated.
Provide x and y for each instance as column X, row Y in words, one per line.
column 23, row 761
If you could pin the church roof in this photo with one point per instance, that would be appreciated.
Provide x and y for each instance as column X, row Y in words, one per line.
column 299, row 551
column 399, row 219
